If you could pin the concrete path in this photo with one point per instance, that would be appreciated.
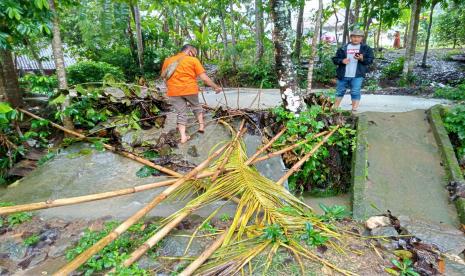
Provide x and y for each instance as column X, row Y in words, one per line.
column 271, row 98
column 405, row 174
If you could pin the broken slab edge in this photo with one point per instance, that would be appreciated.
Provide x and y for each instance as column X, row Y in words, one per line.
column 451, row 165
column 360, row 170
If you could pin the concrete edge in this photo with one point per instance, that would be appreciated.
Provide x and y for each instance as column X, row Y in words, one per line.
column 451, row 164
column 360, row 170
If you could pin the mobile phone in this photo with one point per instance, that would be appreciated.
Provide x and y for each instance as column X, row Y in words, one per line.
column 357, row 54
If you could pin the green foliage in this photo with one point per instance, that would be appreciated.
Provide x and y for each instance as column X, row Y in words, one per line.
column 317, row 172
column 39, row 84
column 49, row 156
column 31, row 240
column 394, row 69
column 448, row 55
column 225, row 217
column 403, row 268
column 313, row 237
column 451, row 93
column 20, row 19
column 407, row 80
column 208, row 227
column 85, row 112
column 150, row 154
column 335, row 212
column 261, row 74
column 146, row 171
column 325, row 70
column 116, row 252
column 275, row 233
column 91, row 71
column 449, row 30
column 454, row 122
column 39, row 131
column 13, row 219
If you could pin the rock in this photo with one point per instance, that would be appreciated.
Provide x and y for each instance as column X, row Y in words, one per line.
column 49, row 236
column 3, row 271
column 132, row 138
column 14, row 250
column 148, row 263
column 447, row 238
column 377, row 221
column 115, row 92
column 384, row 231
column 192, row 151
column 38, row 258
column 175, row 245
column 58, row 249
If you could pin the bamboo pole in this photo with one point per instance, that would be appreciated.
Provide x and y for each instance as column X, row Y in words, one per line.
column 305, row 158
column 108, row 147
column 286, row 149
column 218, row 242
column 83, row 257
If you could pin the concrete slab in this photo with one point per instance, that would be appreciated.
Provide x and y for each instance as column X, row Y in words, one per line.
column 405, row 174
column 248, row 98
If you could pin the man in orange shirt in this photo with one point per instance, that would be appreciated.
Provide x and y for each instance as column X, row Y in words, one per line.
column 183, row 89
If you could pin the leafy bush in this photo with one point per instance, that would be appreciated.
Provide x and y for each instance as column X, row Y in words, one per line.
column 31, row 240
column 325, row 69
column 10, row 144
column 261, row 74
column 324, row 173
column 13, row 219
column 448, row 55
column 394, row 69
column 454, row 122
column 39, row 84
column 451, row 93
column 114, row 253
column 91, row 71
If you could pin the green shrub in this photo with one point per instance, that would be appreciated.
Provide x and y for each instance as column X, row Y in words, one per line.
column 31, row 240
column 39, row 84
column 114, row 253
column 261, row 74
column 394, row 69
column 13, row 219
column 121, row 57
column 448, row 55
column 451, row 93
column 319, row 172
column 454, row 122
column 91, row 71
column 325, row 69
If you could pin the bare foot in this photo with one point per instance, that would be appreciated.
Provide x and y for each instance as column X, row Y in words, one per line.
column 187, row 138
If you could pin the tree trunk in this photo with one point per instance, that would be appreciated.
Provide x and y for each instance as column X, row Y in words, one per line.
column 316, row 38
column 333, row 4
column 428, row 33
column 140, row 47
column 132, row 43
column 224, row 33
column 379, row 31
column 259, row 30
column 406, row 34
column 346, row 22
column 358, row 4
column 9, row 86
column 300, row 30
column 233, row 35
column 57, row 48
column 412, row 38
column 282, row 34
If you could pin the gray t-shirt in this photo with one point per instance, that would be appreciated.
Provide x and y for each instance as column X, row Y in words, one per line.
column 351, row 68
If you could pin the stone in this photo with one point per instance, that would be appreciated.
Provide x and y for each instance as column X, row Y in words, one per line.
column 59, row 249
column 14, row 250
column 176, row 245
column 38, row 258
column 3, row 271
column 148, row 263
column 192, row 151
column 377, row 221
column 454, row 269
column 384, row 231
column 447, row 238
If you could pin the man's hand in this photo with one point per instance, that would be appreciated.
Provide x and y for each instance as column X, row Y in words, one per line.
column 346, row 61
column 359, row 57
column 218, row 89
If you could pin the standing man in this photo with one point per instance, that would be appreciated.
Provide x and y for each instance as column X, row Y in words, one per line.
column 180, row 73
column 352, row 60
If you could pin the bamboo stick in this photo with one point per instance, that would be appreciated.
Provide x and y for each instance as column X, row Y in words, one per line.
column 305, row 158
column 189, row 270
column 267, row 145
column 83, row 257
column 109, row 147
column 286, row 149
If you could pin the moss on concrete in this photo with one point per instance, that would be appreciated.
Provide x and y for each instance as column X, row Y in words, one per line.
column 448, row 154
column 360, row 170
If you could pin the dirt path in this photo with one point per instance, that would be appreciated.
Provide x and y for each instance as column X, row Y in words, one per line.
column 405, row 174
